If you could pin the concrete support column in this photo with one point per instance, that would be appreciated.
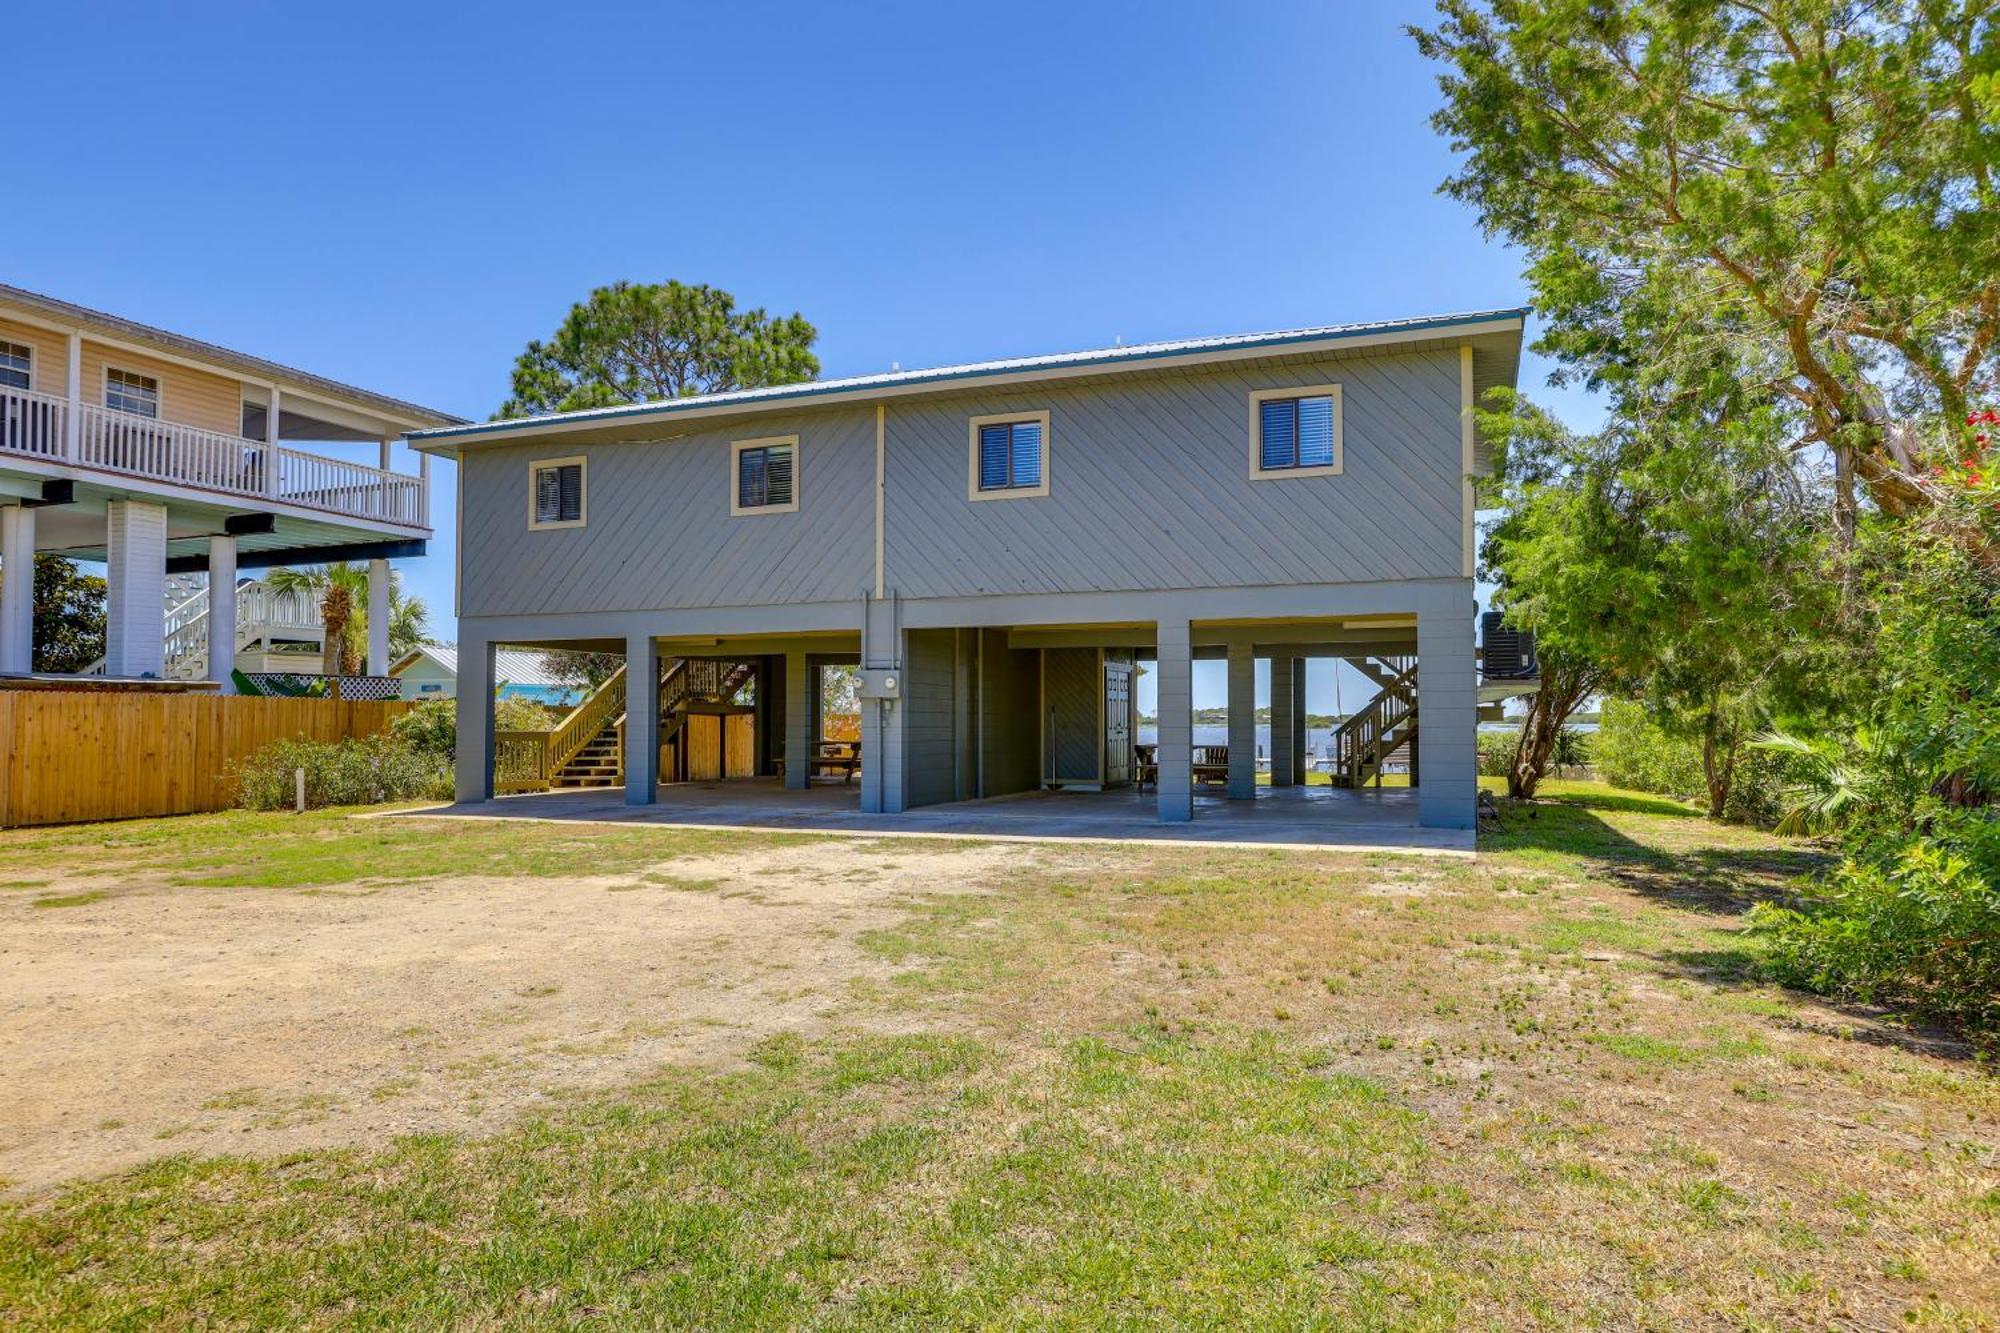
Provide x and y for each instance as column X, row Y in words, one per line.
column 378, row 617
column 1283, row 741
column 883, row 789
column 1242, row 722
column 1176, row 722
column 222, row 611
column 473, row 775
column 1447, row 710
column 642, row 720
column 1299, row 733
column 800, row 689
column 135, row 629
column 17, row 589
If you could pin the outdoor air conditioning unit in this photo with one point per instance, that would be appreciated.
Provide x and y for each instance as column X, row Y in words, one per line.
column 1509, row 653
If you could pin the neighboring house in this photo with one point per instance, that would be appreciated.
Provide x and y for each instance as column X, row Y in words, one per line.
column 431, row 672
column 162, row 455
column 999, row 546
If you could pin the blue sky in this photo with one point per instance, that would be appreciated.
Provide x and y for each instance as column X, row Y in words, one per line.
column 401, row 196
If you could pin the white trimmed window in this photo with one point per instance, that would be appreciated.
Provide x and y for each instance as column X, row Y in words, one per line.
column 129, row 391
column 1008, row 456
column 764, row 476
column 1295, row 432
column 17, row 363
column 556, row 496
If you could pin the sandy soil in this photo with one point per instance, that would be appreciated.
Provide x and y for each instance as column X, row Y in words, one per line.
column 162, row 1020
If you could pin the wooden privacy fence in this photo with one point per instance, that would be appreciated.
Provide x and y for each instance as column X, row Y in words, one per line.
column 72, row 756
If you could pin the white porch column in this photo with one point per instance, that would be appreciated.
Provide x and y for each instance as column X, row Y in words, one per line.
column 1242, row 722
column 17, row 589
column 473, row 761
column 1176, row 726
column 642, row 720
column 135, row 559
column 222, row 611
column 271, row 442
column 799, row 703
column 378, row 617
column 73, row 417
column 1283, row 755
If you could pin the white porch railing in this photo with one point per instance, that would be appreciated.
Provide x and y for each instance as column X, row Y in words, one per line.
column 168, row 451
column 33, row 424
column 350, row 488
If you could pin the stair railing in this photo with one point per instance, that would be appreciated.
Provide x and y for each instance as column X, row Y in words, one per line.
column 604, row 704
column 1357, row 745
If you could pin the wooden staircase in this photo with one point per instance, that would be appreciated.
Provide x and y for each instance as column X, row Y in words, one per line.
column 1366, row 740
column 600, row 763
column 588, row 749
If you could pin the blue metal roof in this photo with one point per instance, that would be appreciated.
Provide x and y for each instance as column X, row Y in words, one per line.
column 1108, row 358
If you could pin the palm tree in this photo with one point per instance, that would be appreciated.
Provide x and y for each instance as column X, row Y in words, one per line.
column 342, row 588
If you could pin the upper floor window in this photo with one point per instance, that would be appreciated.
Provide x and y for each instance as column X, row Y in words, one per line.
column 125, row 391
column 555, row 493
column 1010, row 456
column 765, row 475
column 16, row 360
column 1295, row 432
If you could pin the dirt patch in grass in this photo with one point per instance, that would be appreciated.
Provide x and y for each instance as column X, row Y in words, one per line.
column 947, row 1085
column 145, row 1014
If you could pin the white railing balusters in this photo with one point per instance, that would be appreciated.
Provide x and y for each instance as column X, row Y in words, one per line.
column 34, row 424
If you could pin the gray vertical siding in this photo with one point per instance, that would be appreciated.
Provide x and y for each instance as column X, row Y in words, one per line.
column 929, row 708
column 660, row 533
column 1149, row 486
column 1447, row 718
column 1072, row 688
column 1009, row 751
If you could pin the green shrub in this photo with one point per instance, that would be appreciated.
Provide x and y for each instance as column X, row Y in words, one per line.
column 430, row 727
column 1633, row 751
column 1912, row 922
column 1496, row 752
column 514, row 713
column 362, row 771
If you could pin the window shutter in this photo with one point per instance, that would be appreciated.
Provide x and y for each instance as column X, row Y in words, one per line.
column 778, row 476
column 1027, row 453
column 993, row 449
column 1278, row 421
column 750, row 479
column 570, row 492
column 548, row 495
column 1315, row 432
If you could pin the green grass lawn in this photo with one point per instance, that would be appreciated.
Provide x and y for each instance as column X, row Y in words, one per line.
column 1119, row 1088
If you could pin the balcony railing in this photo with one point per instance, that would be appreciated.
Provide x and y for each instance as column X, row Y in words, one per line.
column 35, row 425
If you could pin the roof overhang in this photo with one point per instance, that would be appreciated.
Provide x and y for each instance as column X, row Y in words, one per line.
column 49, row 312
column 1499, row 332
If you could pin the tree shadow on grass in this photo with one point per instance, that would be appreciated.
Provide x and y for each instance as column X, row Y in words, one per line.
column 1721, row 880
column 1716, row 881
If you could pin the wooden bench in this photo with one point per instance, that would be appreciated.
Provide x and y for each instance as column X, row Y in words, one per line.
column 1211, row 765
column 841, row 757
